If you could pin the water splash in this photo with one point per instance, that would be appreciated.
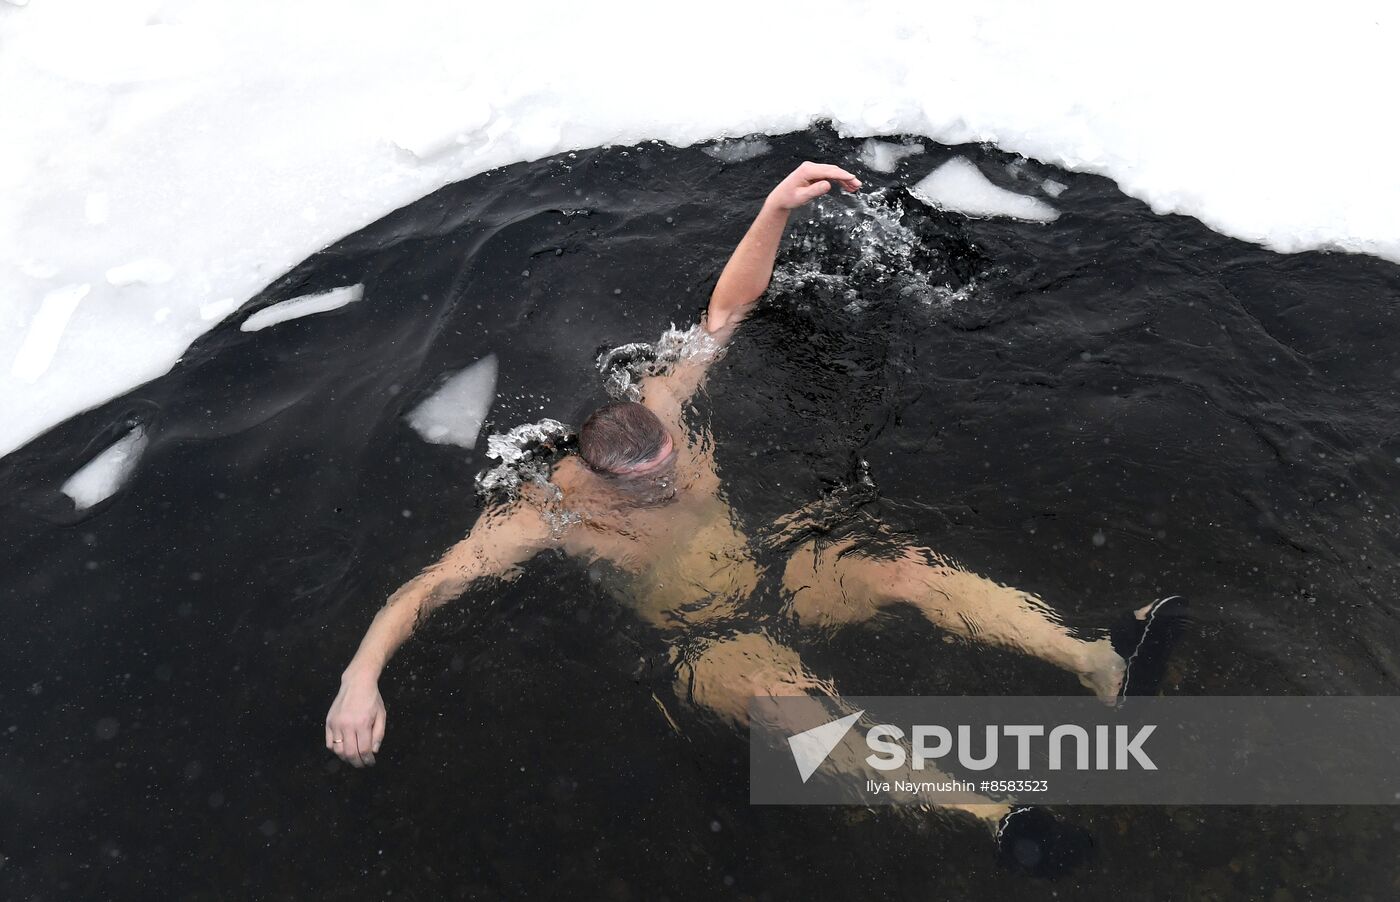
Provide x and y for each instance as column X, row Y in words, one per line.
column 625, row 366
column 880, row 245
column 525, row 454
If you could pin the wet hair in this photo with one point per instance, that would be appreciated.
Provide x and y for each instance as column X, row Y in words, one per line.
column 620, row 435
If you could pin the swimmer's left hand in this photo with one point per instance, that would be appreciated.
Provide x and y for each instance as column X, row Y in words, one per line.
column 355, row 722
column 808, row 182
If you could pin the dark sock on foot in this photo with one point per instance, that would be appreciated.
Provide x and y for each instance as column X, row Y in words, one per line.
column 1033, row 841
column 1146, row 644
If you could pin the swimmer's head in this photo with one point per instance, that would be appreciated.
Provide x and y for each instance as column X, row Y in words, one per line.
column 624, row 438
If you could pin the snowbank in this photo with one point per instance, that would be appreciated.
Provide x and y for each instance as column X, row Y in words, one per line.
column 162, row 161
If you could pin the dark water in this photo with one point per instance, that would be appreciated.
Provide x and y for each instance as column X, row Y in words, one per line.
column 1120, row 405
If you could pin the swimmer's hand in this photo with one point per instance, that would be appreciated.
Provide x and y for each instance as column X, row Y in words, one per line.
column 808, row 182
column 355, row 723
column 750, row 267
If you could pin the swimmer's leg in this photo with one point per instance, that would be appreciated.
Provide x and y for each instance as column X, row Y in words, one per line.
column 837, row 584
column 727, row 673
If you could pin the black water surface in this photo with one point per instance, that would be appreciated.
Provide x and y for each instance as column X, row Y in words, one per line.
column 1116, row 405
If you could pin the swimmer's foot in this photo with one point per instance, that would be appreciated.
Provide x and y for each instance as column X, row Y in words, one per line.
column 1035, row 842
column 1144, row 640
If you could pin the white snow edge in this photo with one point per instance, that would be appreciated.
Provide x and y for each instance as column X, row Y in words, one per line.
column 217, row 145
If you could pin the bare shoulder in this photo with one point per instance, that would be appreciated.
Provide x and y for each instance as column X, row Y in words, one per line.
column 667, row 391
column 507, row 532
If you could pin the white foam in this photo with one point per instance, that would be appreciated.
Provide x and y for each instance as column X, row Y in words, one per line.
column 959, row 185
column 884, row 156
column 305, row 305
column 523, row 453
column 202, row 133
column 453, row 414
column 100, row 477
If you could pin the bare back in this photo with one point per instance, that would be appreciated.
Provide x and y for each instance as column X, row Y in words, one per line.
column 674, row 542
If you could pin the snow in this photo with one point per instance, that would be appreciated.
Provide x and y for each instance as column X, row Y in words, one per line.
column 453, row 414
column 296, row 308
column 959, row 185
column 45, row 332
column 100, row 477
column 884, row 156
column 228, row 141
column 150, row 271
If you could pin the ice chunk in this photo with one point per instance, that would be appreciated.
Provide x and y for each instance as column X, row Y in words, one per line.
column 959, row 185
column 148, row 271
column 737, row 150
column 1053, row 188
column 100, row 477
column 303, row 306
column 884, row 156
column 45, row 332
column 453, row 414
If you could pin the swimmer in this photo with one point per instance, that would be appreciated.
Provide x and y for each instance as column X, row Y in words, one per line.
column 644, row 502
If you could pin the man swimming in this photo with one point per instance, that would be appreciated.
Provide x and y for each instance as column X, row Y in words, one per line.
column 643, row 500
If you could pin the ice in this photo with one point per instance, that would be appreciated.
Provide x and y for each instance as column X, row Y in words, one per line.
column 46, row 331
column 296, row 308
column 884, row 156
column 149, row 271
column 453, row 414
column 737, row 150
column 959, row 185
column 100, row 477
column 1053, row 188
column 200, row 134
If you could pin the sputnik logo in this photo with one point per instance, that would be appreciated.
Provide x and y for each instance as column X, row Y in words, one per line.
column 811, row 747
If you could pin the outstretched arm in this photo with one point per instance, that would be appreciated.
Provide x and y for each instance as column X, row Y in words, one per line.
column 750, row 267
column 498, row 543
column 743, row 281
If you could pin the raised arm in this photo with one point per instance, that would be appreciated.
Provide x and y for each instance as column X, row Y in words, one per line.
column 750, row 267
column 498, row 543
column 743, row 281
